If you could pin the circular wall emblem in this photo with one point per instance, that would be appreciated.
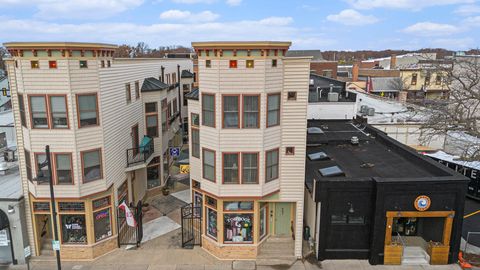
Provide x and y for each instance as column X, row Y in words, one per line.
column 422, row 203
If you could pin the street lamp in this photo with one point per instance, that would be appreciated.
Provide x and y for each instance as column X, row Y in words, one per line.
column 41, row 177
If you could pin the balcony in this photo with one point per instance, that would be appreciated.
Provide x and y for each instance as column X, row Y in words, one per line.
column 140, row 155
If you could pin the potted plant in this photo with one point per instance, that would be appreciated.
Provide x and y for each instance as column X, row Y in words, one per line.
column 165, row 190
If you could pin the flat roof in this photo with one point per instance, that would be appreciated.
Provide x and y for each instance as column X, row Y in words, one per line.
column 10, row 184
column 241, row 44
column 44, row 45
column 375, row 156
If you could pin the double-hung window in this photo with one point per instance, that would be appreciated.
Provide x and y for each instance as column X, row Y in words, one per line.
column 271, row 166
column 249, row 168
column 196, row 142
column 273, row 110
column 91, row 165
column 231, row 168
column 38, row 111
column 58, row 111
column 21, row 106
column 63, row 168
column 230, row 111
column 208, row 110
column 208, row 165
column 251, row 107
column 87, row 110
column 151, row 119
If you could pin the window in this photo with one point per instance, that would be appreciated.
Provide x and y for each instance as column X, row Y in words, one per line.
column 427, row 79
column 58, row 111
column 38, row 112
column 238, row 228
column 230, row 112
column 251, row 107
column 137, row 90
column 233, row 64
column 42, row 172
column 230, row 168
column 102, row 63
column 151, row 119
column 208, row 110
column 41, row 207
column 249, row 168
column 209, row 165
column 327, row 73
column 195, row 120
column 271, row 165
column 195, row 143
column 175, row 106
column 73, row 229
column 263, row 220
column 122, row 193
column 290, row 151
column 21, row 106
column 186, row 87
column 237, row 206
column 273, row 110
column 274, row 62
column 211, row 223
column 3, row 139
column 128, row 93
column 87, row 110
column 164, row 115
column 91, row 165
column 438, row 79
column 292, row 95
column 52, row 64
column 28, row 165
column 208, row 63
column 83, row 64
column 250, row 64
column 109, row 64
column 34, row 64
column 414, row 79
column 153, row 173
column 174, row 78
column 102, row 225
column 63, row 168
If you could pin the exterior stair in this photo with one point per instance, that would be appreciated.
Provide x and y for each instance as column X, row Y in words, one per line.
column 415, row 256
column 277, row 251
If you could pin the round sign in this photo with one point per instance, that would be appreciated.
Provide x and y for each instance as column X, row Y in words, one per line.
column 422, row 203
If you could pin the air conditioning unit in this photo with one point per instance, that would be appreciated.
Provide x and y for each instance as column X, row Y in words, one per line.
column 363, row 109
column 333, row 97
column 371, row 111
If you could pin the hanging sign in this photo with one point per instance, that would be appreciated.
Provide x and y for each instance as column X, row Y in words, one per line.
column 422, row 203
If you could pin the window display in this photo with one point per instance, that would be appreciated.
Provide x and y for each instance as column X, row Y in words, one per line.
column 212, row 223
column 73, row 229
column 102, row 224
column 238, row 228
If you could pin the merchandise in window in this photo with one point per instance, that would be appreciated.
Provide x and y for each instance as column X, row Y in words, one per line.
column 102, row 225
column 238, row 228
column 212, row 223
column 73, row 229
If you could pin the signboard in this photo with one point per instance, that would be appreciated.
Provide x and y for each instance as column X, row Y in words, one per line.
column 27, row 252
column 422, row 203
column 3, row 238
column 55, row 245
column 174, row 151
column 184, row 169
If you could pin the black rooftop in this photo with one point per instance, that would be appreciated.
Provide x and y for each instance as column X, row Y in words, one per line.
column 187, row 74
column 152, row 84
column 193, row 94
column 376, row 156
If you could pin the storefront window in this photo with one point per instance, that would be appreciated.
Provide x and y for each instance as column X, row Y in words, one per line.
column 263, row 221
column 212, row 223
column 102, row 224
column 235, row 206
column 73, row 229
column 238, row 228
column 197, row 203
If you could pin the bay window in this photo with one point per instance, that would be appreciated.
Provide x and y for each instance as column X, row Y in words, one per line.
column 238, row 227
column 230, row 112
column 251, row 107
column 152, row 125
column 208, row 110
column 208, row 164
column 40, row 159
column 63, row 168
column 195, row 143
column 249, row 168
column 271, row 168
column 87, row 110
column 230, row 168
column 273, row 110
column 91, row 165
column 58, row 111
column 38, row 112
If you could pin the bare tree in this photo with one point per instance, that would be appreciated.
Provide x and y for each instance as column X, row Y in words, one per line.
column 458, row 117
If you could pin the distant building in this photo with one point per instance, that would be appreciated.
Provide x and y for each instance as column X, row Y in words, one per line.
column 318, row 64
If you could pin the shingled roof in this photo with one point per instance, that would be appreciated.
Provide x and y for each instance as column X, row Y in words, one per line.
column 187, row 74
column 193, row 94
column 153, row 84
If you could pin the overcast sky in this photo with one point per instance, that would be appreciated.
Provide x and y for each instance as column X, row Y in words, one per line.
column 310, row 24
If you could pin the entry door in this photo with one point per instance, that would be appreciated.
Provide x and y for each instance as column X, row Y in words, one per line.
column 283, row 218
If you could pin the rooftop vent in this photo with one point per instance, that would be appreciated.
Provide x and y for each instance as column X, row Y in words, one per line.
column 318, row 156
column 314, row 130
column 331, row 171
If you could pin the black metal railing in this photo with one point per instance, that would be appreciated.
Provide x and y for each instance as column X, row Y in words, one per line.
column 139, row 154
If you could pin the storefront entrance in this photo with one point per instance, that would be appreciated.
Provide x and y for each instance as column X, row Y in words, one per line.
column 283, row 219
column 415, row 238
column 43, row 223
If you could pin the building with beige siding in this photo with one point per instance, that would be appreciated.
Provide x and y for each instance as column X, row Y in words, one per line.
column 108, row 122
column 248, row 140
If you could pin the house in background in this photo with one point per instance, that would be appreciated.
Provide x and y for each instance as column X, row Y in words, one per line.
column 318, row 64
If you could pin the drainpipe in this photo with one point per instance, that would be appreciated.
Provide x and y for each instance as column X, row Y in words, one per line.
column 163, row 74
column 179, row 103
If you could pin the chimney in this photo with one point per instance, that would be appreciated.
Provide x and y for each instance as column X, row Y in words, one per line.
column 393, row 61
column 355, row 71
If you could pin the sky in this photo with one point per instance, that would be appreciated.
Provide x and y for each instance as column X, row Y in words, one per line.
column 309, row 24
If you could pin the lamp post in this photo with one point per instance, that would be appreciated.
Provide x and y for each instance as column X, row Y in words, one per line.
column 52, row 198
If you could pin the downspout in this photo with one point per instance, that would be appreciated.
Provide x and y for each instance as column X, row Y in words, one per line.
column 163, row 74
column 179, row 103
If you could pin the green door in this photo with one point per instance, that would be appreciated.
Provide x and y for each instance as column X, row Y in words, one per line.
column 283, row 219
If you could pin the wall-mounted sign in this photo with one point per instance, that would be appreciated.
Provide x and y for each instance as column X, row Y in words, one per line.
column 27, row 251
column 184, row 169
column 422, row 203
column 3, row 238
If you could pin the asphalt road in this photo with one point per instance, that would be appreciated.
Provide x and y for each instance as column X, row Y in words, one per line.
column 472, row 224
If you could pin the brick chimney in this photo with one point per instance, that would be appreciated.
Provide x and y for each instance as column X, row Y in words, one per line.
column 393, row 61
column 355, row 70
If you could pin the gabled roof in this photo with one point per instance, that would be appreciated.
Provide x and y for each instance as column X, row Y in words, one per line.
column 152, row 84
column 187, row 74
column 316, row 54
column 193, row 95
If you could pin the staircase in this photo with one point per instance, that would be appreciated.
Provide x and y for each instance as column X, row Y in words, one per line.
column 277, row 251
column 413, row 255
